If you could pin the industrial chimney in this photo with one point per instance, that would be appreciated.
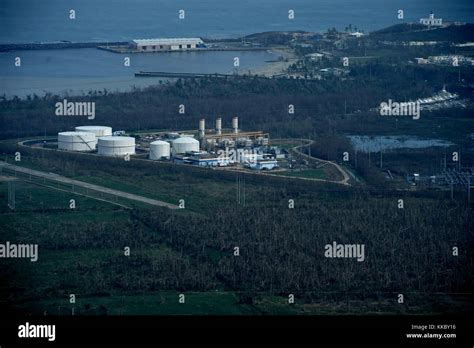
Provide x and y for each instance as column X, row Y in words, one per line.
column 219, row 126
column 235, row 124
column 202, row 127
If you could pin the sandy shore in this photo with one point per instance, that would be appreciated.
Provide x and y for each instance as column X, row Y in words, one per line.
column 274, row 68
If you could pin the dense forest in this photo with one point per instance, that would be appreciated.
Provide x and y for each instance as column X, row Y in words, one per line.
column 331, row 105
column 281, row 249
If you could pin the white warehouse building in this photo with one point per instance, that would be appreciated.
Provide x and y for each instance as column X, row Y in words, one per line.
column 116, row 146
column 177, row 44
column 77, row 141
column 185, row 144
column 159, row 149
column 99, row 131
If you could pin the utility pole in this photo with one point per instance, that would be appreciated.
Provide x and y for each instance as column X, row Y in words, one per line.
column 237, row 188
column 244, row 192
column 240, row 190
column 469, row 189
column 11, row 195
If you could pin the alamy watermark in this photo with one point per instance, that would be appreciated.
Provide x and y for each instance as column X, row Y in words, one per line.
column 238, row 155
column 400, row 109
column 336, row 250
column 66, row 108
column 28, row 330
column 10, row 250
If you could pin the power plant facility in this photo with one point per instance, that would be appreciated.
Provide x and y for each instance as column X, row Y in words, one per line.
column 202, row 147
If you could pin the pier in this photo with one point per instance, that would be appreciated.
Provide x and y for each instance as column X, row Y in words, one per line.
column 177, row 75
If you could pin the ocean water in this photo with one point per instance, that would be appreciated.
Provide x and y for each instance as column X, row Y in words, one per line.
column 117, row 20
column 76, row 71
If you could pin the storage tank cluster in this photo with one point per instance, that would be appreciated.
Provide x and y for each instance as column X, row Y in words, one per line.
column 88, row 138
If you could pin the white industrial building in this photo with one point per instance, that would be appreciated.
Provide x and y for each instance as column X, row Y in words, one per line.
column 116, row 146
column 264, row 165
column 432, row 21
column 76, row 141
column 159, row 150
column 177, row 44
column 99, row 131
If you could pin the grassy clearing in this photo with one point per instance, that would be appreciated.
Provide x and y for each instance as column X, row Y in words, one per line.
column 31, row 197
column 318, row 173
column 160, row 303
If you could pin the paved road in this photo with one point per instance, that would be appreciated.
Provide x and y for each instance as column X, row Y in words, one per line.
column 62, row 179
column 308, row 142
column 344, row 181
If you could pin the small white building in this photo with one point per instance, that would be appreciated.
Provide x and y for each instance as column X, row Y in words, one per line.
column 176, row 44
column 432, row 21
column 357, row 34
column 315, row 56
column 422, row 61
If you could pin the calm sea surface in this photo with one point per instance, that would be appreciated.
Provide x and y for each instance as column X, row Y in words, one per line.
column 79, row 70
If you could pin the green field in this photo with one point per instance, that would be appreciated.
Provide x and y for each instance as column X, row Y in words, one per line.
column 306, row 173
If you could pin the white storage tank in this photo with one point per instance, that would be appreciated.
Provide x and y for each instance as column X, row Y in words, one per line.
column 185, row 144
column 99, row 131
column 159, row 149
column 116, row 146
column 77, row 141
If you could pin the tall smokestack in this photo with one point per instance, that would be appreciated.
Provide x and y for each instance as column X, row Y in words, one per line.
column 202, row 127
column 235, row 124
column 219, row 126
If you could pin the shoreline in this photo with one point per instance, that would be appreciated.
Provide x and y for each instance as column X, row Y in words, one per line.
column 271, row 69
